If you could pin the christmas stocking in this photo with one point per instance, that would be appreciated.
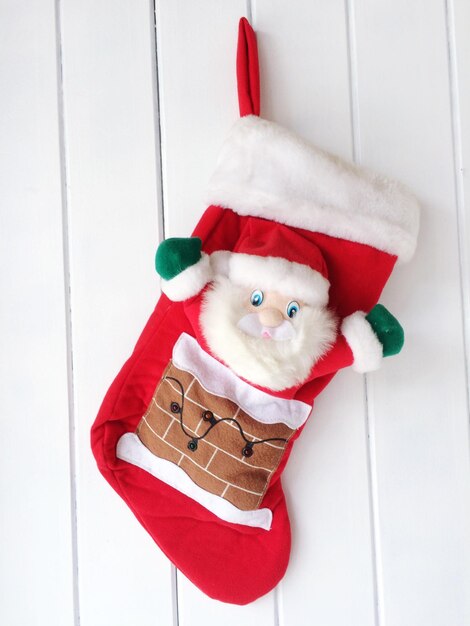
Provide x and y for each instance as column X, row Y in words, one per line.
column 276, row 290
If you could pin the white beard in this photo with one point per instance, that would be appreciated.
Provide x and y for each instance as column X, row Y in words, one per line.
column 274, row 363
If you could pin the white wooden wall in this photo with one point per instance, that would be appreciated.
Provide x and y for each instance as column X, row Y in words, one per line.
column 111, row 115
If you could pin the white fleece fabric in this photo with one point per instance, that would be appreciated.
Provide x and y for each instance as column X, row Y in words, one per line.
column 219, row 380
column 364, row 343
column 266, row 171
column 189, row 282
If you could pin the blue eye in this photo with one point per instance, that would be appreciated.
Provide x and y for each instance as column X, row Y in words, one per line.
column 292, row 308
column 257, row 297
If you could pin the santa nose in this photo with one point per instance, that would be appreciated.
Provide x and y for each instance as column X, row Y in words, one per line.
column 270, row 317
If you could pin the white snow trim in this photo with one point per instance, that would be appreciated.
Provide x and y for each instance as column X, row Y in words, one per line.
column 189, row 282
column 278, row 274
column 132, row 450
column 364, row 343
column 220, row 262
column 266, row 171
column 218, row 379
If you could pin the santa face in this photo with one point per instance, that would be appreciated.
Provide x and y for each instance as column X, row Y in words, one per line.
column 267, row 338
column 269, row 315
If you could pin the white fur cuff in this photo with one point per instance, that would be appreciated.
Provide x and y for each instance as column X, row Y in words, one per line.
column 364, row 343
column 189, row 282
column 266, row 171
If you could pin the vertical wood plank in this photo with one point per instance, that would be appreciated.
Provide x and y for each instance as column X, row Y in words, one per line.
column 197, row 80
column 113, row 201
column 306, row 86
column 418, row 400
column 198, row 100
column 411, row 63
column 458, row 25
column 36, row 564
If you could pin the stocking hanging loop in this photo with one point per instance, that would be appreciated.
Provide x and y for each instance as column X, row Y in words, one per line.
column 247, row 70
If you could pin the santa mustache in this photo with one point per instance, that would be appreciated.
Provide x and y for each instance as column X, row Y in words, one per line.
column 251, row 325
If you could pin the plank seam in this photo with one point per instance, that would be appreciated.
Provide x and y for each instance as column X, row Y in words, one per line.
column 157, row 108
column 373, row 489
column 278, row 605
column 68, row 311
column 353, row 81
column 157, row 117
column 278, row 596
column 249, row 12
column 457, row 155
column 174, row 595
column 370, row 433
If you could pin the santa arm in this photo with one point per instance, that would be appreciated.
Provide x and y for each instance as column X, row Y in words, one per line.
column 183, row 268
column 364, row 341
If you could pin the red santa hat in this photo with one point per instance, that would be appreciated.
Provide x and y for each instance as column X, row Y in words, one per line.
column 273, row 257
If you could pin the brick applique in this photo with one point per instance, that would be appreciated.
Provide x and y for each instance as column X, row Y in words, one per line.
column 217, row 465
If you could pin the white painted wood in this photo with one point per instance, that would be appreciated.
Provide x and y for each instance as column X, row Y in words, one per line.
column 198, row 104
column 385, row 545
column 197, row 609
column 198, row 100
column 305, row 70
column 113, row 202
column 36, row 570
column 418, row 401
column 458, row 22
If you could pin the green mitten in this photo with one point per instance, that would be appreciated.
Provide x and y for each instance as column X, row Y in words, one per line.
column 177, row 254
column 387, row 328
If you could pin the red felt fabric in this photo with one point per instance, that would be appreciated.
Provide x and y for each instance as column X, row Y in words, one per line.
column 201, row 545
column 258, row 240
column 247, row 70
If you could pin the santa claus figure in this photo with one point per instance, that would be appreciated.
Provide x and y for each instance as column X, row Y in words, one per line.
column 276, row 290
column 267, row 317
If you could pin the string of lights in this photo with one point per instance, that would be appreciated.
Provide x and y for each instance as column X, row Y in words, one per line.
column 208, row 416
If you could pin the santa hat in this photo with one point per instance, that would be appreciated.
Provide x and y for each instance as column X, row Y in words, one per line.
column 275, row 258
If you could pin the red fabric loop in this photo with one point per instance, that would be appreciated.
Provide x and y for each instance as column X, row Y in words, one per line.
column 247, row 70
